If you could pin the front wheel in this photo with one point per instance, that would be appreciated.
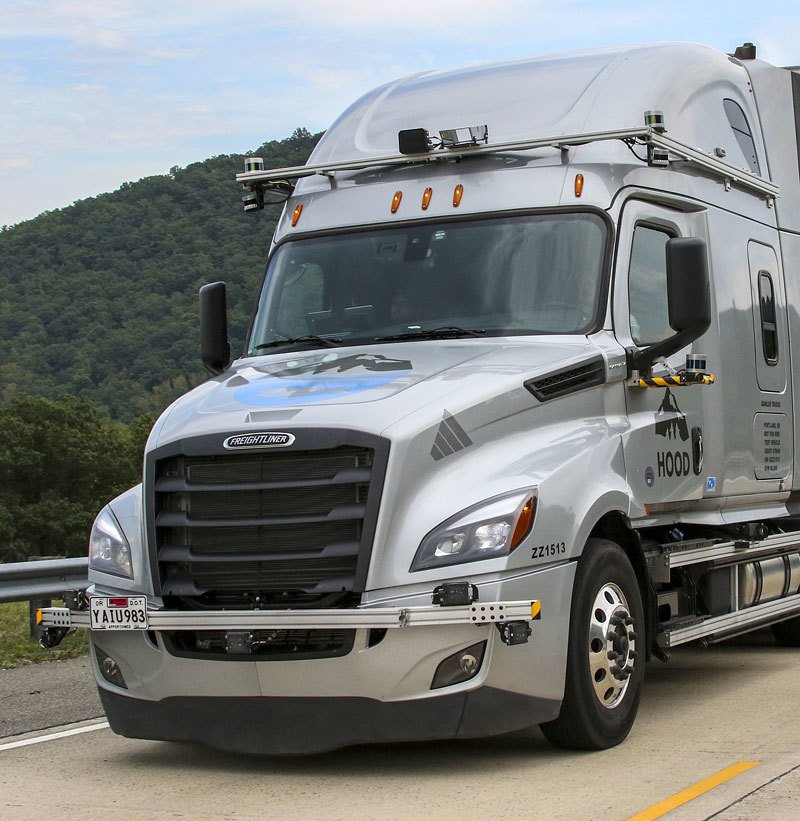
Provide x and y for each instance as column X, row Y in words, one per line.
column 605, row 657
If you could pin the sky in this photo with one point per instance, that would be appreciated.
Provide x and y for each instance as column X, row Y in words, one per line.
column 94, row 93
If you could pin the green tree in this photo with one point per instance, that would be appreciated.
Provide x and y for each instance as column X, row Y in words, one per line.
column 99, row 299
column 60, row 462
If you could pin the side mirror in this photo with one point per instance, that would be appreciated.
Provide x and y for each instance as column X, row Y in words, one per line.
column 216, row 350
column 688, row 299
column 687, row 285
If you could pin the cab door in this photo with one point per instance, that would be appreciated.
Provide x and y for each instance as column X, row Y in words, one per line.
column 665, row 445
column 772, row 433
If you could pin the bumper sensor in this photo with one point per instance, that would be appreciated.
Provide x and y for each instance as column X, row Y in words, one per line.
column 455, row 594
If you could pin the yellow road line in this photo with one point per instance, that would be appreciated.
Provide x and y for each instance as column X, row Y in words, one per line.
column 690, row 793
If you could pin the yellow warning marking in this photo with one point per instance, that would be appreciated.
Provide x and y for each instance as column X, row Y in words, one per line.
column 536, row 609
column 39, row 617
column 679, row 380
column 690, row 793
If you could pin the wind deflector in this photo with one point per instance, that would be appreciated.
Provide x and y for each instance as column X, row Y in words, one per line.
column 568, row 380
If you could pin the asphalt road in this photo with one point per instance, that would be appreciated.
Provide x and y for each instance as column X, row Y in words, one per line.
column 44, row 695
column 703, row 713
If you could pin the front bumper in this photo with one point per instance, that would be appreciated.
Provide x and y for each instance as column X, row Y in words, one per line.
column 291, row 726
column 288, row 723
column 376, row 692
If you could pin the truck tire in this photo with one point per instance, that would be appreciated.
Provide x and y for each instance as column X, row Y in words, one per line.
column 787, row 633
column 605, row 657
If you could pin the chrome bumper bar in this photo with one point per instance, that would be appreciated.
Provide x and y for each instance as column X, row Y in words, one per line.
column 366, row 617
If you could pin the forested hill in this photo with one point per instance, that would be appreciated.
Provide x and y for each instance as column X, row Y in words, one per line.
column 99, row 300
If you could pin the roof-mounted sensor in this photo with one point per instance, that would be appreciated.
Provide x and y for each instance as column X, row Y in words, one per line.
column 414, row 141
column 460, row 137
column 746, row 51
column 419, row 141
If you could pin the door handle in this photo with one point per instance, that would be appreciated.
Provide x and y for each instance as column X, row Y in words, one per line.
column 697, row 450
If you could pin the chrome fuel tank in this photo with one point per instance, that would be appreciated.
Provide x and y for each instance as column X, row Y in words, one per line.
column 768, row 579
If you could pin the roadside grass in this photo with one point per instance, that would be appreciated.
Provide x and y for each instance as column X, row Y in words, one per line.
column 16, row 649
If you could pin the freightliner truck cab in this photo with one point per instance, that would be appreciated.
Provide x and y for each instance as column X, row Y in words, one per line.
column 514, row 415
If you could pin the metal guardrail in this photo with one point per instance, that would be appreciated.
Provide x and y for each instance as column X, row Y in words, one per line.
column 48, row 579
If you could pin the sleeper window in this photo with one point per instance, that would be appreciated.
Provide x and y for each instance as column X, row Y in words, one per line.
column 741, row 130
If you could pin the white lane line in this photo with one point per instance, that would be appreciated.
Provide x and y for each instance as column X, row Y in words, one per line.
column 103, row 725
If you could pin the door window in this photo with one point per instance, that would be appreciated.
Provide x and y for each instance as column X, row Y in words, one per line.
column 647, row 285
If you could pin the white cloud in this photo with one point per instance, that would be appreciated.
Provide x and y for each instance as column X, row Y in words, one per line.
column 779, row 47
column 115, row 89
column 15, row 163
column 88, row 88
column 420, row 16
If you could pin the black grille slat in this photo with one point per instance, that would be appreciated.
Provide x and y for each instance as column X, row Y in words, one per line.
column 568, row 380
column 320, row 575
column 247, row 525
column 184, row 554
column 176, row 518
column 281, row 538
column 220, row 469
column 171, row 484
column 273, row 575
column 269, row 503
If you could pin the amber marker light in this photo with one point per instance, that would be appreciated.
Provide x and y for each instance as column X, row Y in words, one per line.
column 457, row 194
column 398, row 196
column 578, row 185
column 296, row 215
column 524, row 522
column 426, row 198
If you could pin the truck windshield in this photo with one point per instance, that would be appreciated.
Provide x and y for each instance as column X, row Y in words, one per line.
column 535, row 274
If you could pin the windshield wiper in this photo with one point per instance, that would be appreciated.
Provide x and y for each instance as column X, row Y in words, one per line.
column 329, row 342
column 446, row 332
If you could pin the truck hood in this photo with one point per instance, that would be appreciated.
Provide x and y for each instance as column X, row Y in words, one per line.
column 366, row 388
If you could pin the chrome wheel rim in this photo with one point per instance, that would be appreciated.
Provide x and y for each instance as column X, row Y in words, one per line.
column 612, row 645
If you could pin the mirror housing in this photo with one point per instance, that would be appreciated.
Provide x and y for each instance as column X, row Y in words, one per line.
column 688, row 300
column 214, row 345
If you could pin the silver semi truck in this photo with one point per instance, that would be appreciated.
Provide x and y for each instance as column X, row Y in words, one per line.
column 514, row 415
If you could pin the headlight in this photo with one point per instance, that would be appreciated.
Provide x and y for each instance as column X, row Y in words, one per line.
column 109, row 550
column 485, row 531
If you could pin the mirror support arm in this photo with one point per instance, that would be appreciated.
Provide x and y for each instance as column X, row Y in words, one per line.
column 642, row 360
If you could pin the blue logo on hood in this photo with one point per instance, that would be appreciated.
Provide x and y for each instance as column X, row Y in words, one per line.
column 278, row 392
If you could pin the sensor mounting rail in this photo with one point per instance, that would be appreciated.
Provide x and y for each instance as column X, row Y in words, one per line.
column 730, row 624
column 645, row 135
column 323, row 619
column 732, row 551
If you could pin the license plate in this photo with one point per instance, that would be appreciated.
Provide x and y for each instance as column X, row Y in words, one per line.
column 118, row 613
